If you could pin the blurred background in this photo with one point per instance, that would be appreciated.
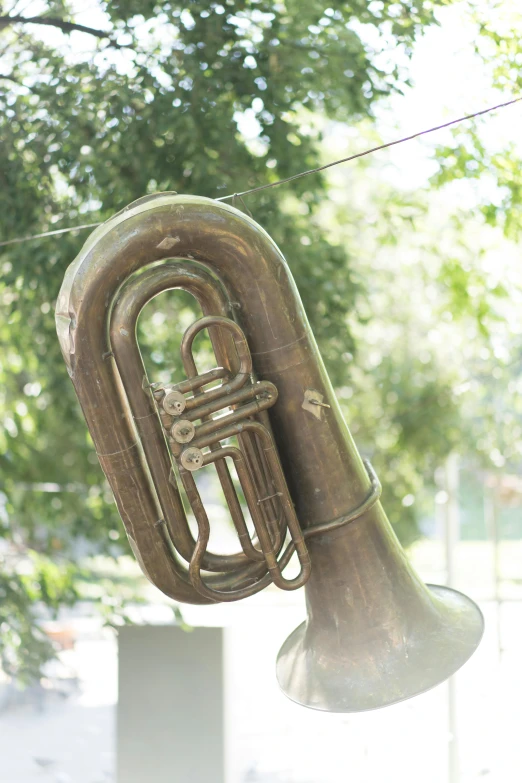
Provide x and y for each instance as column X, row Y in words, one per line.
column 408, row 265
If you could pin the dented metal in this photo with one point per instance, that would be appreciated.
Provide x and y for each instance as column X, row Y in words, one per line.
column 375, row 633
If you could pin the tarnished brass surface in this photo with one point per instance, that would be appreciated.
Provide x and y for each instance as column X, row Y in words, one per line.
column 375, row 634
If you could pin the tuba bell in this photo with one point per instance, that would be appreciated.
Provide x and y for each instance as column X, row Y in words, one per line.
column 375, row 634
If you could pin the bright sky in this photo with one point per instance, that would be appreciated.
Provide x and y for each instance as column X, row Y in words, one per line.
column 449, row 81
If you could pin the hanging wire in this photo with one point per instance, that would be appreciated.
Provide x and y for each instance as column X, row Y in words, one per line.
column 48, row 234
column 294, row 176
column 367, row 152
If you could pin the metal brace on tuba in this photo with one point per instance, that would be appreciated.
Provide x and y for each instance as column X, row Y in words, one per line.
column 375, row 634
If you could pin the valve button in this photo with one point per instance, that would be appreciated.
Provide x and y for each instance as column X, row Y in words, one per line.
column 183, row 431
column 174, row 403
column 192, row 459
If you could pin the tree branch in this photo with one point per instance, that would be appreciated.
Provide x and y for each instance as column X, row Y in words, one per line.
column 61, row 24
column 7, row 77
column 10, row 78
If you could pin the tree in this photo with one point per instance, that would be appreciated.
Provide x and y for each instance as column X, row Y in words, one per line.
column 98, row 109
column 437, row 331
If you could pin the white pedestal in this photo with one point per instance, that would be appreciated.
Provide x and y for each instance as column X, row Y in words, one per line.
column 171, row 704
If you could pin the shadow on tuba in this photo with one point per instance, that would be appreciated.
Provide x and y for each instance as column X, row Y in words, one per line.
column 375, row 634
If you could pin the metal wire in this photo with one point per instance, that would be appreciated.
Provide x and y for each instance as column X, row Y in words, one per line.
column 368, row 152
column 294, row 176
column 48, row 234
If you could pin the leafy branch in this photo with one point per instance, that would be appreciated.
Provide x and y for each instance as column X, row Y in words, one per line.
column 62, row 24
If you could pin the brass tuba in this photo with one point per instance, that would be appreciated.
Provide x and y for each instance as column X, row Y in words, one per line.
column 375, row 634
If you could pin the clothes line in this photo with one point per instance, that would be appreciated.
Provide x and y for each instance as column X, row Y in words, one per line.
column 306, row 173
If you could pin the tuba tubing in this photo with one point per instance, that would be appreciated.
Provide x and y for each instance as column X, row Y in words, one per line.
column 246, row 260
column 134, row 296
column 375, row 633
column 205, row 287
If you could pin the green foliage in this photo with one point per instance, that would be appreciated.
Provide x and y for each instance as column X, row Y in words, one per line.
column 469, row 293
column 26, row 586
column 500, row 173
column 484, row 288
column 207, row 98
column 437, row 331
